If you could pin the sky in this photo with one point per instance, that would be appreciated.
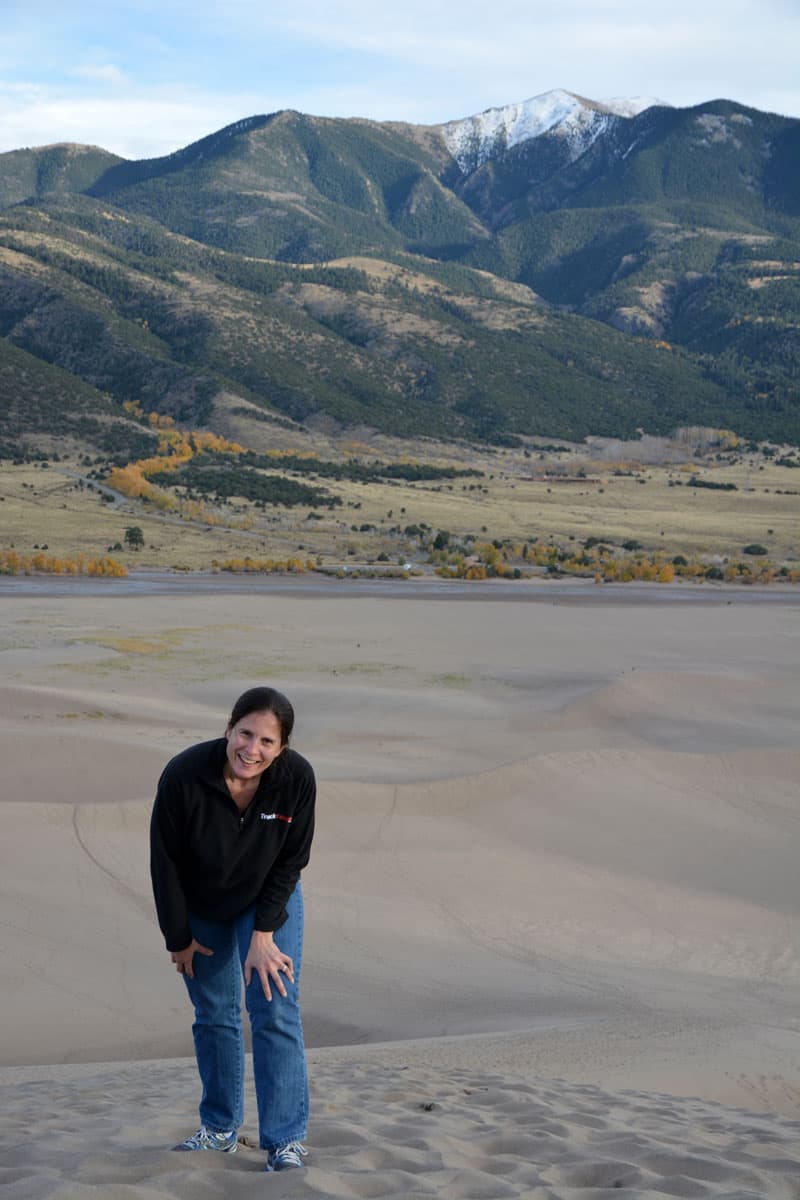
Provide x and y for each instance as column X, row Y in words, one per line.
column 142, row 78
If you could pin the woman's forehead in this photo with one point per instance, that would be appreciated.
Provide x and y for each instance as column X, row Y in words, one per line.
column 263, row 719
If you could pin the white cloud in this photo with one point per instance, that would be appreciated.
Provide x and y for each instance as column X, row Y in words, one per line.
column 101, row 74
column 26, row 90
column 413, row 61
column 513, row 27
column 134, row 126
column 512, row 49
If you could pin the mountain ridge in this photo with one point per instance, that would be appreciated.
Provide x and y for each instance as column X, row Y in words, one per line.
column 475, row 139
column 661, row 260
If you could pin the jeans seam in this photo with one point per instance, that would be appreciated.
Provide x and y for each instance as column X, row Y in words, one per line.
column 236, row 998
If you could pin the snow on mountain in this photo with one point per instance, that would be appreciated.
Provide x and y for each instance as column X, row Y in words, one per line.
column 580, row 122
column 632, row 106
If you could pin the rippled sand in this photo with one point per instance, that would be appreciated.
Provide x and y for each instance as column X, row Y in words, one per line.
column 553, row 892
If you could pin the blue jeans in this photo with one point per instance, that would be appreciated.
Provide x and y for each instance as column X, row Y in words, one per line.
column 279, row 1063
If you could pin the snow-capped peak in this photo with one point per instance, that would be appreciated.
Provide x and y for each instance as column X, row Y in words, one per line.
column 474, row 139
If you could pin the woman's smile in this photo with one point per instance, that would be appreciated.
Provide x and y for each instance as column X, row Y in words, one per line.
column 253, row 744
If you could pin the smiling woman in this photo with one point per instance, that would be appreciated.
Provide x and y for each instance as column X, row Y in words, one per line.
column 255, row 739
column 231, row 831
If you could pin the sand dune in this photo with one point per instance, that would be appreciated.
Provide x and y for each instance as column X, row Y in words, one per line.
column 388, row 1125
column 556, row 842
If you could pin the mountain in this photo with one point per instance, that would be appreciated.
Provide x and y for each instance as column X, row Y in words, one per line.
column 561, row 267
column 25, row 174
column 472, row 141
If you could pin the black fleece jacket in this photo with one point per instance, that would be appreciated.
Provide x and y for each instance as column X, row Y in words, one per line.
column 208, row 858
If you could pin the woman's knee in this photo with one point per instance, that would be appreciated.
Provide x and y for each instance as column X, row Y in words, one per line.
column 216, row 992
column 281, row 1012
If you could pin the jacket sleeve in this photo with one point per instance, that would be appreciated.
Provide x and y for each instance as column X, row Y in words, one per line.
column 295, row 852
column 165, row 851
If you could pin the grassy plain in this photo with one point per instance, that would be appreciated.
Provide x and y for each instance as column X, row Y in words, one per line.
column 523, row 494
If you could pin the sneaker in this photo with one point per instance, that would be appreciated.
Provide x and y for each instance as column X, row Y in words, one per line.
column 207, row 1139
column 286, row 1157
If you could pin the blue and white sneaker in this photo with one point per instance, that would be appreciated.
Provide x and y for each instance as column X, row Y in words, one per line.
column 208, row 1139
column 286, row 1157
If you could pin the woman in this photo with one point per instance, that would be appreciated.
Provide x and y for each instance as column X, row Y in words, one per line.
column 231, row 831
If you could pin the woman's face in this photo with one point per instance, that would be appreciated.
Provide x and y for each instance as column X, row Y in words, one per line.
column 254, row 743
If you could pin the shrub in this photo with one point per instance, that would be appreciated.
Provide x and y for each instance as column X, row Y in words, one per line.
column 134, row 537
column 713, row 484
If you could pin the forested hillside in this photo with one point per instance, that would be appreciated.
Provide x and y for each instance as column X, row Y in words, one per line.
column 352, row 271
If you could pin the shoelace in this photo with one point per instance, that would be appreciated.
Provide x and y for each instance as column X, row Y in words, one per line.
column 204, row 1139
column 290, row 1155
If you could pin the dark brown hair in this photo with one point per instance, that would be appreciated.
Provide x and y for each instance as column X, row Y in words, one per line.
column 265, row 699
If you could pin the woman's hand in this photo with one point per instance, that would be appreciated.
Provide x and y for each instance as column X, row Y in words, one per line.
column 268, row 962
column 183, row 958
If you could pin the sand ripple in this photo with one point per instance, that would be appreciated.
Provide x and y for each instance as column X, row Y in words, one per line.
column 381, row 1129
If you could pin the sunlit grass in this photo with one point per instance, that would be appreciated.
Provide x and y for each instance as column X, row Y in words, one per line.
column 132, row 644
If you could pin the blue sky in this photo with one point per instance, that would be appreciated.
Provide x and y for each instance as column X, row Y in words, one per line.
column 143, row 78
